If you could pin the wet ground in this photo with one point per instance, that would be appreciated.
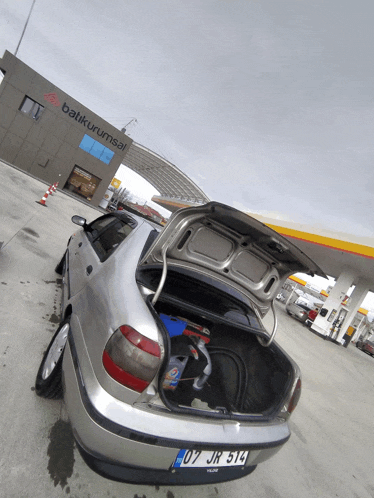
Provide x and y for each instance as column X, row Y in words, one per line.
column 330, row 453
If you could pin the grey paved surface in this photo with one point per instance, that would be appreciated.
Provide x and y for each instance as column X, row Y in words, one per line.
column 329, row 455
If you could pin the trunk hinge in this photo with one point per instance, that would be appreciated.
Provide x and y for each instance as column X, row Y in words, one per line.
column 163, row 275
column 261, row 340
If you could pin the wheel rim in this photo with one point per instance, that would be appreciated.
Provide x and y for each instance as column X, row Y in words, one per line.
column 55, row 351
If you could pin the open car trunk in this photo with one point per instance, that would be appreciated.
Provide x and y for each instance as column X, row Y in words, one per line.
column 214, row 265
column 245, row 379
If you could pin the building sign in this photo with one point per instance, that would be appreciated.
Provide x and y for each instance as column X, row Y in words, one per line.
column 313, row 287
column 52, row 98
column 115, row 183
column 91, row 126
column 81, row 119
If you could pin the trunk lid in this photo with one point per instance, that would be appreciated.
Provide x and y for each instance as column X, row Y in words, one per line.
column 226, row 244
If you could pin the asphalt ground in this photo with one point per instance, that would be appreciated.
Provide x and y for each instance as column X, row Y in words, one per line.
column 330, row 453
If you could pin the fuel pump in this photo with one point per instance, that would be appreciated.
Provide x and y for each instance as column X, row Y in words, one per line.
column 337, row 323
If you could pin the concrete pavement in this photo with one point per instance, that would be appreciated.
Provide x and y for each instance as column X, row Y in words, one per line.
column 329, row 455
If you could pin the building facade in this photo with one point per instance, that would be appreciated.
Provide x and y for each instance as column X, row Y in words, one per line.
column 48, row 134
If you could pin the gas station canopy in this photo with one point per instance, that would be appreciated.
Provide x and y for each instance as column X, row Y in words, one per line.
column 176, row 189
column 347, row 258
column 332, row 251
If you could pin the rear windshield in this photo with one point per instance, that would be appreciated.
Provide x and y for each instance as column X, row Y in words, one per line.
column 202, row 295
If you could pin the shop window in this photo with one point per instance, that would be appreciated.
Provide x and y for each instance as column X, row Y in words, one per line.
column 96, row 149
column 82, row 182
column 31, row 108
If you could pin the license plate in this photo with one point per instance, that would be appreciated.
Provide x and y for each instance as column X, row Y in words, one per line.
column 196, row 458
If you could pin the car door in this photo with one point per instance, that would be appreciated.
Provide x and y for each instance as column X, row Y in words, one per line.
column 91, row 247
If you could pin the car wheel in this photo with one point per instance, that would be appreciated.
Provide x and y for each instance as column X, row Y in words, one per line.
column 48, row 382
column 60, row 266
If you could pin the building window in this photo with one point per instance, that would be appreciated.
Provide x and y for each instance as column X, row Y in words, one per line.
column 96, row 149
column 81, row 182
column 31, row 108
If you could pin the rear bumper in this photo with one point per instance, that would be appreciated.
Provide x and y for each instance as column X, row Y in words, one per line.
column 117, row 471
column 124, row 454
column 368, row 351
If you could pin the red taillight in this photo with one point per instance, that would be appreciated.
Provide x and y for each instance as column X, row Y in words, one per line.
column 140, row 341
column 131, row 358
column 122, row 376
column 295, row 397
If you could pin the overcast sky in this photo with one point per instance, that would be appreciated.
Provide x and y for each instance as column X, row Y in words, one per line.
column 267, row 105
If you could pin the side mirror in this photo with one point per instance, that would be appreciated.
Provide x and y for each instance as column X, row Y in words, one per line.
column 78, row 220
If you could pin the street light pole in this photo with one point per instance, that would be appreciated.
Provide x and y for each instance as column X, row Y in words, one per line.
column 24, row 29
column 124, row 128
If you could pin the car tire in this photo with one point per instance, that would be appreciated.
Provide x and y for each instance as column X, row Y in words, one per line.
column 60, row 266
column 48, row 382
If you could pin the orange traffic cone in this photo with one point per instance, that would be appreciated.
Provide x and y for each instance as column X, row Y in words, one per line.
column 43, row 199
column 53, row 188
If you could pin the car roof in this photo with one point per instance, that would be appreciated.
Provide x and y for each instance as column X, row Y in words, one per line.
column 128, row 217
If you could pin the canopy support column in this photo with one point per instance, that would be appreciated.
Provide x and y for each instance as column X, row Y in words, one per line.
column 324, row 321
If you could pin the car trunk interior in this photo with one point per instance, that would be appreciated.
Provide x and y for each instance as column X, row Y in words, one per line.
column 246, row 378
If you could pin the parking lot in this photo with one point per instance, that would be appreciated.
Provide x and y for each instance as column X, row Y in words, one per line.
column 330, row 453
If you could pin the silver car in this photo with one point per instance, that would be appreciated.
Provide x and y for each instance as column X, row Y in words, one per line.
column 298, row 310
column 167, row 371
column 367, row 346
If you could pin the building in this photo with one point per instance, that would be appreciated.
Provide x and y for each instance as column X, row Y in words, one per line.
column 48, row 134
